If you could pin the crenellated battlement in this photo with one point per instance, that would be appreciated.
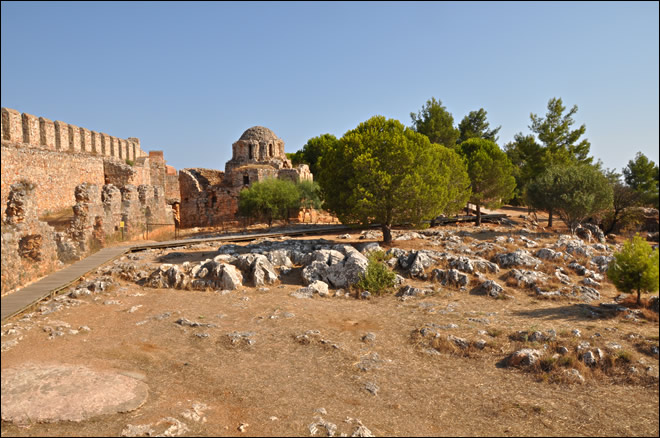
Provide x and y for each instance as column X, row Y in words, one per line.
column 42, row 133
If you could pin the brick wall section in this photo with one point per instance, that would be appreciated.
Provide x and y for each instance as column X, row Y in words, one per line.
column 157, row 168
column 172, row 192
column 205, row 200
column 54, row 174
column 31, row 134
column 120, row 174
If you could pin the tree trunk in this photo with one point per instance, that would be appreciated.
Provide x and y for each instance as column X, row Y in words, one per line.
column 478, row 221
column 639, row 297
column 550, row 219
column 387, row 234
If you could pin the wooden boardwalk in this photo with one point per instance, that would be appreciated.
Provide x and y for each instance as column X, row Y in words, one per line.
column 21, row 300
column 30, row 295
column 24, row 298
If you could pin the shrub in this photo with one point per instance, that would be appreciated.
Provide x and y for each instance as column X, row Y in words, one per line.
column 635, row 268
column 378, row 278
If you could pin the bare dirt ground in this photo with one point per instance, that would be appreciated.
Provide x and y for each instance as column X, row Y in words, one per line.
column 250, row 373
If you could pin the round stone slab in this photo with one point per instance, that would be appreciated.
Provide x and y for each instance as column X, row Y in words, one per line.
column 50, row 393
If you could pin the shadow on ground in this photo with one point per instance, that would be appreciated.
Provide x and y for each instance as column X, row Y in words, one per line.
column 574, row 312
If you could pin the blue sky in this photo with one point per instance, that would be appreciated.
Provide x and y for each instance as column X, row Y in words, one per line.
column 189, row 78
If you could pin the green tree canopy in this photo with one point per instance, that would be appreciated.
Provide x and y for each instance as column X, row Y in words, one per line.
column 562, row 144
column 490, row 172
column 624, row 198
column 382, row 172
column 310, row 195
column 641, row 175
column 635, row 268
column 526, row 155
column 573, row 191
column 313, row 150
column 269, row 199
column 474, row 125
column 435, row 122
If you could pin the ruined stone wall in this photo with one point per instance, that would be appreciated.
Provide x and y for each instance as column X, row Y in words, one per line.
column 299, row 174
column 248, row 175
column 205, row 200
column 54, row 174
column 31, row 248
column 172, row 191
column 120, row 174
column 42, row 133
column 56, row 157
column 157, row 168
column 210, row 197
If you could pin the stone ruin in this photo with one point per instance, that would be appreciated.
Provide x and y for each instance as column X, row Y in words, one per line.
column 50, row 169
column 31, row 248
column 210, row 197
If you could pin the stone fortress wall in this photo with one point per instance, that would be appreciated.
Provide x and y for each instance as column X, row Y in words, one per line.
column 100, row 182
column 56, row 157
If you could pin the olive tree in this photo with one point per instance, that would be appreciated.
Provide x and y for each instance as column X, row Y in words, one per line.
column 269, row 199
column 575, row 192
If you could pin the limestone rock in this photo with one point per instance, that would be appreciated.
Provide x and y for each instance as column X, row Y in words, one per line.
column 490, row 288
column 451, row 277
column 548, row 254
column 528, row 279
column 409, row 291
column 585, row 293
column 524, row 357
column 519, row 257
column 50, row 393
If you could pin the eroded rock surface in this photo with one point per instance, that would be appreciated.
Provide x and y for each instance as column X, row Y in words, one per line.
column 50, row 393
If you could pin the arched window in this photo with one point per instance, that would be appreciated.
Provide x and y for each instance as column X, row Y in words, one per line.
column 270, row 150
column 251, row 152
column 246, row 180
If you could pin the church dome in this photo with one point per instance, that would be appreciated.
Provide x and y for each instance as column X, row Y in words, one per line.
column 259, row 133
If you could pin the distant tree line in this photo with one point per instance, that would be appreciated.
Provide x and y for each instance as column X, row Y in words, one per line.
column 384, row 172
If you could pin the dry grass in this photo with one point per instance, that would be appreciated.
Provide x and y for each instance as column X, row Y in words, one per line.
column 459, row 391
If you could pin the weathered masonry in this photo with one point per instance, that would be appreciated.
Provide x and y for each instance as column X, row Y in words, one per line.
column 210, row 197
column 99, row 181
column 56, row 157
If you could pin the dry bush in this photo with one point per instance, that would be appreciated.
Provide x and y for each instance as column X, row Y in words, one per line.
column 631, row 302
column 510, row 281
column 554, row 283
column 444, row 345
column 552, row 367
column 488, row 254
column 646, row 347
column 581, row 259
column 474, row 282
column 547, row 268
column 650, row 315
